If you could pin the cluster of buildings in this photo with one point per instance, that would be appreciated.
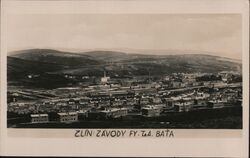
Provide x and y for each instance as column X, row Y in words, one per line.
column 108, row 99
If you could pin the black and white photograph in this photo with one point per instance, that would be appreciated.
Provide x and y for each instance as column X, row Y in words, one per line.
column 118, row 78
column 124, row 71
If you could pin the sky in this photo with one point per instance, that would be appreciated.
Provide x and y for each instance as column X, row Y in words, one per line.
column 214, row 34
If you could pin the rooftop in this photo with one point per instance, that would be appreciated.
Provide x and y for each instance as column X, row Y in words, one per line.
column 38, row 115
column 69, row 113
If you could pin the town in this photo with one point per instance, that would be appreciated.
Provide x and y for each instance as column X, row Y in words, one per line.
column 139, row 96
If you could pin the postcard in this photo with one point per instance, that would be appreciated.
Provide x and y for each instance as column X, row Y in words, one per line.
column 125, row 78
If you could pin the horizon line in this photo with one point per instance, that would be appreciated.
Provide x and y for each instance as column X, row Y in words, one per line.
column 128, row 51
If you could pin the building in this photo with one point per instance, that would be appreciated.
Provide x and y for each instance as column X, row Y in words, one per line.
column 200, row 102
column 176, row 84
column 171, row 101
column 207, row 83
column 68, row 117
column 185, row 104
column 219, row 84
column 216, row 104
column 39, row 118
column 105, row 79
column 160, row 106
column 151, row 111
column 82, row 114
column 156, row 100
column 109, row 113
column 144, row 101
column 182, row 107
column 114, row 113
column 131, row 102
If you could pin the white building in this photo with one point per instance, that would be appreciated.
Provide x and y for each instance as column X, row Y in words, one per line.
column 216, row 103
column 105, row 79
column 39, row 118
column 184, row 104
column 151, row 111
column 114, row 112
column 68, row 117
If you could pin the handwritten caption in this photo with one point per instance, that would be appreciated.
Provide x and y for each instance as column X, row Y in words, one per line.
column 114, row 133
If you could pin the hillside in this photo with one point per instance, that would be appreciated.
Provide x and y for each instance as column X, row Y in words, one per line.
column 55, row 57
column 52, row 65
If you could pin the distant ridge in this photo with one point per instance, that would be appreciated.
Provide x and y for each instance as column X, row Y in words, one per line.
column 126, row 52
column 52, row 65
column 54, row 56
column 43, row 52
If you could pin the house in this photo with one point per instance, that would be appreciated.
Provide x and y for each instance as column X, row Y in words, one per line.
column 183, row 85
column 219, row 84
column 114, row 113
column 182, row 107
column 160, row 106
column 196, row 83
column 176, row 84
column 119, row 93
column 68, row 117
column 185, row 104
column 145, row 85
column 150, row 111
column 109, row 113
column 207, row 83
column 131, row 101
column 224, row 78
column 39, row 118
column 94, row 114
column 200, row 102
column 156, row 100
column 144, row 100
column 216, row 103
column 82, row 114
column 167, row 78
column 171, row 101
column 117, row 102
